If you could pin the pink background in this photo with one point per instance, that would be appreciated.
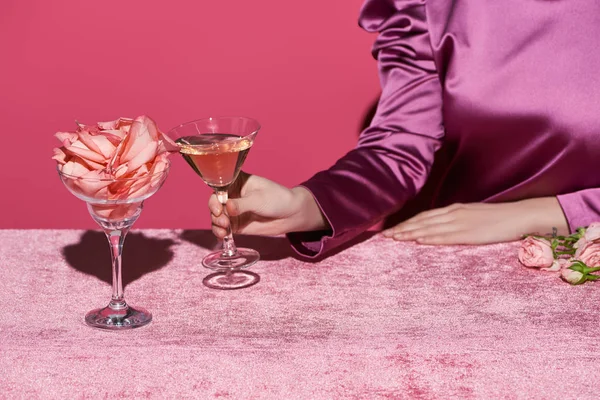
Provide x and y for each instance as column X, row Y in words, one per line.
column 303, row 69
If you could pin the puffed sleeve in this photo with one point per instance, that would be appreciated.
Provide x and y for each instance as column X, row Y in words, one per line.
column 394, row 155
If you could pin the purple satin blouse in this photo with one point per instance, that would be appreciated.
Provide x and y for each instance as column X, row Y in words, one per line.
column 482, row 101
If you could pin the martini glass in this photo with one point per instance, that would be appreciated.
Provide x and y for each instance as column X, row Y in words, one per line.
column 115, row 204
column 216, row 149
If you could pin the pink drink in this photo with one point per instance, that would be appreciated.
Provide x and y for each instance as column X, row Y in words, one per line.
column 216, row 157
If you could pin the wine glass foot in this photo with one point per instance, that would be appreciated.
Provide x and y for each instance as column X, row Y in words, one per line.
column 122, row 318
column 231, row 280
column 243, row 258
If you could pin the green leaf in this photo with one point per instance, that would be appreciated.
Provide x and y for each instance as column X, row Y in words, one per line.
column 578, row 262
column 587, row 270
column 569, row 252
column 592, row 277
column 578, row 268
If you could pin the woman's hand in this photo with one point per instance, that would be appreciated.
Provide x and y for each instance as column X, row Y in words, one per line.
column 482, row 223
column 258, row 206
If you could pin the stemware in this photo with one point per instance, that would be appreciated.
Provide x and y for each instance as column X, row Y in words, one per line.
column 115, row 204
column 216, row 149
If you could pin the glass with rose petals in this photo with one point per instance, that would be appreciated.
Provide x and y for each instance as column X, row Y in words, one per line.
column 216, row 149
column 115, row 204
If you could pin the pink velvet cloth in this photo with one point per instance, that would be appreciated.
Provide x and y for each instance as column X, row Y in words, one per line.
column 378, row 320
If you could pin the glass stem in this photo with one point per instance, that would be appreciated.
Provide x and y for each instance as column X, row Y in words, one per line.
column 229, row 248
column 115, row 239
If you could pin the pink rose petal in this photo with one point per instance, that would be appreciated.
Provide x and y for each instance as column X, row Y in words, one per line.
column 143, row 131
column 141, row 171
column 589, row 254
column 59, row 155
column 536, row 252
column 114, row 160
column 109, row 125
column 91, row 165
column 115, row 136
column 74, row 168
column 147, row 154
column 571, row 276
column 159, row 166
column 137, row 180
column 121, row 171
column 86, row 139
column 592, row 232
column 167, row 144
column 68, row 137
column 94, row 184
column 115, row 212
column 81, row 150
column 557, row 265
column 104, row 145
column 140, row 188
column 116, row 124
column 119, row 188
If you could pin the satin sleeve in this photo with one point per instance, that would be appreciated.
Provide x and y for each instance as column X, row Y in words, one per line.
column 394, row 155
column 581, row 208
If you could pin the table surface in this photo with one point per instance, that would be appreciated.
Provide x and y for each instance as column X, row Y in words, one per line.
column 378, row 319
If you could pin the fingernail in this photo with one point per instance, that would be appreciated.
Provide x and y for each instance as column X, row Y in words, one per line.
column 386, row 233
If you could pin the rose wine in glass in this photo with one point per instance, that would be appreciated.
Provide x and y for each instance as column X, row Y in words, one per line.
column 216, row 157
column 216, row 148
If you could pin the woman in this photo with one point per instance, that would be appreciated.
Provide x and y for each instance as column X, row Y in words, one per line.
column 508, row 92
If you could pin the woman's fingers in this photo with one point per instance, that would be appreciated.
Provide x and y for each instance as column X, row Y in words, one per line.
column 219, row 232
column 433, row 213
column 437, row 216
column 221, row 221
column 434, row 221
column 215, row 207
column 449, row 238
column 425, row 231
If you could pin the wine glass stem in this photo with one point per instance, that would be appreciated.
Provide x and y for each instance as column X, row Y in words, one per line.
column 229, row 248
column 115, row 239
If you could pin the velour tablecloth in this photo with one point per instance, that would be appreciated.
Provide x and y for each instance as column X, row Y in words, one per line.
column 378, row 320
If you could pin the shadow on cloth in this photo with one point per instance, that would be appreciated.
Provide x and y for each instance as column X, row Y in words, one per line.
column 270, row 248
column 141, row 255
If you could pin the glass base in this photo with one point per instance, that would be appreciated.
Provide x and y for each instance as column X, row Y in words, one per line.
column 231, row 280
column 118, row 318
column 243, row 258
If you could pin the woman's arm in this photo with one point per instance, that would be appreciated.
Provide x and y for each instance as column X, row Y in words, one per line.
column 480, row 223
column 394, row 155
